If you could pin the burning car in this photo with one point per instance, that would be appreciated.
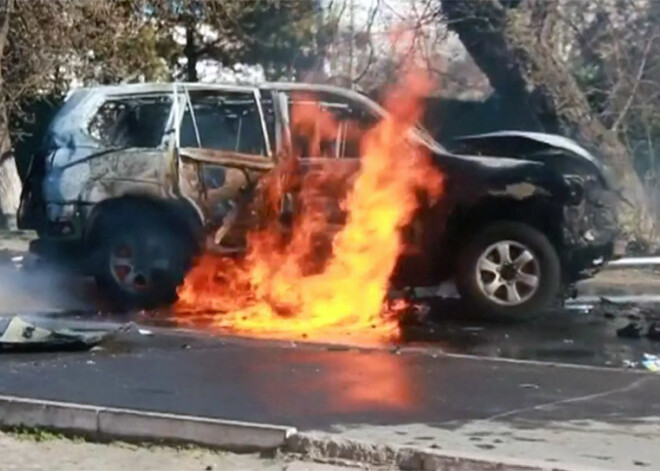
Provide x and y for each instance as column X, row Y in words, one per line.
column 134, row 180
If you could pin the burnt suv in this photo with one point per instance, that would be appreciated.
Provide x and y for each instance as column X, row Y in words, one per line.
column 133, row 180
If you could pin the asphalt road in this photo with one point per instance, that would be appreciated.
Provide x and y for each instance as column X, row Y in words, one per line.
column 585, row 335
column 317, row 387
column 422, row 379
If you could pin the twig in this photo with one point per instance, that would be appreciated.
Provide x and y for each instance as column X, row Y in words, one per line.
column 638, row 78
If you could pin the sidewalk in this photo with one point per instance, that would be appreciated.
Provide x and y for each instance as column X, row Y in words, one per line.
column 40, row 451
column 624, row 281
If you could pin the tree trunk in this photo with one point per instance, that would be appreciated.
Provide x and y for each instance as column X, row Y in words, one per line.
column 510, row 41
column 191, row 53
column 10, row 183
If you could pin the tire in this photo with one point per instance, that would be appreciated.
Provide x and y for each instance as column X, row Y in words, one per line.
column 491, row 288
column 140, row 259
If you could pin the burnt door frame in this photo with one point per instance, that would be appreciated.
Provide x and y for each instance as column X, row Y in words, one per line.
column 191, row 161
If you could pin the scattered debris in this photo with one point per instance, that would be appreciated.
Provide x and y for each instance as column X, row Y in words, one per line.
column 606, row 308
column 412, row 313
column 630, row 364
column 653, row 332
column 583, row 308
column 146, row 332
column 651, row 362
column 472, row 329
column 21, row 334
column 530, row 386
column 631, row 331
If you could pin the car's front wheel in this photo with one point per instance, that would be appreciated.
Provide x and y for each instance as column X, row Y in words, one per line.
column 509, row 269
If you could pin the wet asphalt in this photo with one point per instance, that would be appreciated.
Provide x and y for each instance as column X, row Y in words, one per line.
column 581, row 334
column 320, row 387
column 578, row 335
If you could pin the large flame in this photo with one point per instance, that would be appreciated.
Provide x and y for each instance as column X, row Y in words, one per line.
column 288, row 285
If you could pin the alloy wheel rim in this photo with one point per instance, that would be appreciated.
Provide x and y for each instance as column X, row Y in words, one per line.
column 124, row 269
column 508, row 273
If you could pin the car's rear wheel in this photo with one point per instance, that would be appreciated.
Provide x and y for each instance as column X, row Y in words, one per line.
column 509, row 269
column 139, row 263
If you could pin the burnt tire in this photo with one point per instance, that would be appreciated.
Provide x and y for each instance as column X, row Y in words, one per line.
column 139, row 257
column 517, row 285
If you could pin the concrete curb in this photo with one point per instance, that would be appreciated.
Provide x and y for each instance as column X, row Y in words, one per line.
column 320, row 447
column 107, row 423
column 127, row 424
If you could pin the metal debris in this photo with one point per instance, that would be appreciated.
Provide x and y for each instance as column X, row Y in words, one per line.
column 654, row 331
column 651, row 362
column 631, row 331
column 21, row 334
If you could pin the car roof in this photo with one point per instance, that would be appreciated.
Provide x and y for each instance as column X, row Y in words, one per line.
column 164, row 86
column 156, row 87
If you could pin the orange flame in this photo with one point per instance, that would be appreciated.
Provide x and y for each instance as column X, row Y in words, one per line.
column 285, row 287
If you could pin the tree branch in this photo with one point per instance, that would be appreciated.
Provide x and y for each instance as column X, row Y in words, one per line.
column 6, row 8
column 638, row 78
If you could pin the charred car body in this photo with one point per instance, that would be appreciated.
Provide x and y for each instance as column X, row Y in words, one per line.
column 132, row 179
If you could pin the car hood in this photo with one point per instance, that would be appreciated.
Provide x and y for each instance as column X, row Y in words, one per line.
column 549, row 140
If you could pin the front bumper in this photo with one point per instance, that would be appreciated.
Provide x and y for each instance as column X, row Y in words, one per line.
column 63, row 221
column 591, row 233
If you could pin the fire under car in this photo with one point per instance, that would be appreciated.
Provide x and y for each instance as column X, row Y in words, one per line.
column 134, row 180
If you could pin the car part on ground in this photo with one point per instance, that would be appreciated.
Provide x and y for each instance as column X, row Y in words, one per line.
column 22, row 334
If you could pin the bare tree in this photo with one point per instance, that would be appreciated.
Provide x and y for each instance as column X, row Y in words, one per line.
column 10, row 185
column 367, row 43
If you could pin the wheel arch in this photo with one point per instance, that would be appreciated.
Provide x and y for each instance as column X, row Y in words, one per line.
column 538, row 212
column 179, row 214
